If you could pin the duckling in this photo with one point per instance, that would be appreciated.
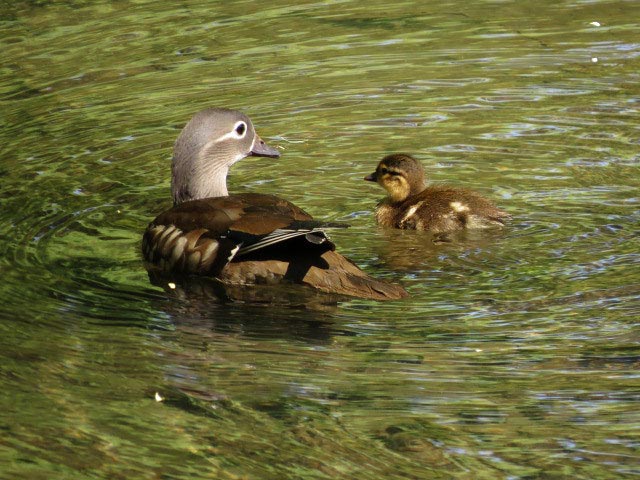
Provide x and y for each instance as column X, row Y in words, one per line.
column 248, row 238
column 440, row 209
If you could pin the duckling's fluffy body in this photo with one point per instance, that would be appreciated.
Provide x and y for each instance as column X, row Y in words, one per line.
column 412, row 205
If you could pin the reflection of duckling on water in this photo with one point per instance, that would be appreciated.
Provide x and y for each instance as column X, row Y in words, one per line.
column 440, row 209
column 423, row 253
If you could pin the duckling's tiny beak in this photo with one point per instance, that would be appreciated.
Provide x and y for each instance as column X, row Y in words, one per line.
column 372, row 177
column 261, row 149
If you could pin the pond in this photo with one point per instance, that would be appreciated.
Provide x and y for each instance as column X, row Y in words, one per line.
column 516, row 355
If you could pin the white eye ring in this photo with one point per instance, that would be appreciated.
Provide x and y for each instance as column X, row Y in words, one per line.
column 239, row 129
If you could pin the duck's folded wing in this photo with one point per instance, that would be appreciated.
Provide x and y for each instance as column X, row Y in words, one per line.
column 310, row 231
column 251, row 212
column 202, row 236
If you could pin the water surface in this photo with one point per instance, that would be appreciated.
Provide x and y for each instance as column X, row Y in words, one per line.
column 516, row 355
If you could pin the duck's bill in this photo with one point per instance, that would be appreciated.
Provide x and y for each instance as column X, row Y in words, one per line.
column 261, row 149
column 371, row 177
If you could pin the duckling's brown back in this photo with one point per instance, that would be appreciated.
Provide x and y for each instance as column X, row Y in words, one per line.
column 441, row 209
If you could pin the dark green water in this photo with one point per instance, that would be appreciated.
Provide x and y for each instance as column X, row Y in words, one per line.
column 517, row 354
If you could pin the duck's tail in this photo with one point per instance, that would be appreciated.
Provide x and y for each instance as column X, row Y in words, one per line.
column 330, row 273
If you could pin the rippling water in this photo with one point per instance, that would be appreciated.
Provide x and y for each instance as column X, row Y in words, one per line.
column 516, row 355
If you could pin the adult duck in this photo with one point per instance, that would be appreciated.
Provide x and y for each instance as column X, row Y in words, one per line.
column 243, row 239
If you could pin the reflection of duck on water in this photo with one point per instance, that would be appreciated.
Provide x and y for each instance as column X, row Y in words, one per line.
column 203, row 290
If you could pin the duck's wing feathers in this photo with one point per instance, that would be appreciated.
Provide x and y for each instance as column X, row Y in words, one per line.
column 252, row 243
column 202, row 236
column 251, row 212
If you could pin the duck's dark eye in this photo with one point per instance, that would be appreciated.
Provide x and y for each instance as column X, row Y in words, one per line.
column 241, row 127
column 384, row 170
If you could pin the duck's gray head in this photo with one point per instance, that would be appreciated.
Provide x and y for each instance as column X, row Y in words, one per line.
column 212, row 141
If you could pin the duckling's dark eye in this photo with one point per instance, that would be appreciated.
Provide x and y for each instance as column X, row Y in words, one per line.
column 384, row 170
column 241, row 128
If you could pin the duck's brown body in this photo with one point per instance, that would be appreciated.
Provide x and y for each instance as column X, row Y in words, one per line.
column 202, row 236
column 248, row 238
column 205, row 237
column 438, row 208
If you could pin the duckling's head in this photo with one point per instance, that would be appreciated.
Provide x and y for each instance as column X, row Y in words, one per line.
column 400, row 175
column 212, row 141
